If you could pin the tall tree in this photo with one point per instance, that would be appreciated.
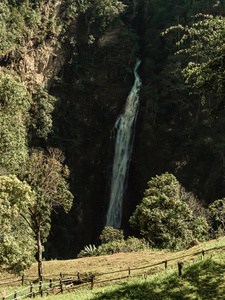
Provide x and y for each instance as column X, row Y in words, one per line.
column 46, row 175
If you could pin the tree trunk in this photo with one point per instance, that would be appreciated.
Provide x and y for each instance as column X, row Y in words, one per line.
column 39, row 253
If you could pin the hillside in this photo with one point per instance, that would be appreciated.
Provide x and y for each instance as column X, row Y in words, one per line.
column 162, row 285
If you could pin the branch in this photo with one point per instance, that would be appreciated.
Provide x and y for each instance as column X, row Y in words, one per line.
column 28, row 222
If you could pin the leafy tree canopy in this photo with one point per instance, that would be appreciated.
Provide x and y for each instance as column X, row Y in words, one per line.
column 204, row 42
column 162, row 217
column 17, row 247
column 110, row 234
column 41, row 109
column 14, row 106
column 100, row 10
column 217, row 216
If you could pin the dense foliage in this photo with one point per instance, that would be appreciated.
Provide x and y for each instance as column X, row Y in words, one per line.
column 217, row 217
column 14, row 105
column 164, row 218
column 203, row 41
column 113, row 242
column 17, row 246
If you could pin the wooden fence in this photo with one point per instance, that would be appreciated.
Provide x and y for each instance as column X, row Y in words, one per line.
column 70, row 282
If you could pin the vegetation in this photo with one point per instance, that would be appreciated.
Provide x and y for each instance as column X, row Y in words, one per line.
column 191, row 285
column 14, row 105
column 164, row 218
column 163, row 285
column 217, row 217
column 205, row 47
column 113, row 242
column 17, row 247
column 110, row 234
column 46, row 175
column 66, row 68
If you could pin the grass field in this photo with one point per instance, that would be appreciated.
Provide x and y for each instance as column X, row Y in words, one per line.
column 201, row 279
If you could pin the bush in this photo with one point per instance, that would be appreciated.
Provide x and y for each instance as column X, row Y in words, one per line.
column 217, row 217
column 132, row 244
column 110, row 234
column 90, row 250
column 113, row 247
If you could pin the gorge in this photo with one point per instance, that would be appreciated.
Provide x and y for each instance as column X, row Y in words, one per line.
column 76, row 59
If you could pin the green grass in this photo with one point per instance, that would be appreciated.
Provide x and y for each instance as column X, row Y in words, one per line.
column 201, row 279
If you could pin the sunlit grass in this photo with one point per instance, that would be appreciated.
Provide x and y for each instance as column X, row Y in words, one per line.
column 166, row 285
column 200, row 280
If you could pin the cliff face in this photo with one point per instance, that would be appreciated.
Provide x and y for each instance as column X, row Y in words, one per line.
column 173, row 133
column 35, row 49
column 96, row 85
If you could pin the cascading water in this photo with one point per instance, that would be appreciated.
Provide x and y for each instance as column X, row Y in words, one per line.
column 124, row 136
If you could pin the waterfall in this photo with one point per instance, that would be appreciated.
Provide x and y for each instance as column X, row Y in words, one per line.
column 124, row 129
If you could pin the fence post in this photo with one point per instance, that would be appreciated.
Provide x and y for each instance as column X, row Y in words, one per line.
column 31, row 290
column 41, row 278
column 92, row 281
column 61, row 284
column 40, row 289
column 203, row 253
column 180, row 267
column 50, row 283
column 165, row 264
column 22, row 280
column 129, row 271
column 15, row 295
column 78, row 276
column 4, row 295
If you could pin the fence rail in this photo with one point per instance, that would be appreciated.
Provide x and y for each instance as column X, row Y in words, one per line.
column 77, row 280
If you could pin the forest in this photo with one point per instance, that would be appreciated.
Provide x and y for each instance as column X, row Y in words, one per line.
column 66, row 69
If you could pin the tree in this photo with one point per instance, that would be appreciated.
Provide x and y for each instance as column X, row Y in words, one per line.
column 17, row 245
column 217, row 216
column 46, row 176
column 40, row 112
column 100, row 11
column 204, row 42
column 162, row 217
column 14, row 106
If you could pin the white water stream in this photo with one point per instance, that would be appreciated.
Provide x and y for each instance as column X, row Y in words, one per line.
column 125, row 129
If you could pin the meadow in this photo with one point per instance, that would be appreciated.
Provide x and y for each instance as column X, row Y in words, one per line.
column 201, row 278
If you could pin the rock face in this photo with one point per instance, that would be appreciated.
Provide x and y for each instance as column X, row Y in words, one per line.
column 39, row 57
column 172, row 133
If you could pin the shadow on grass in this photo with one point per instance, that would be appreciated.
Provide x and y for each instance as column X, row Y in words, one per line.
column 202, row 280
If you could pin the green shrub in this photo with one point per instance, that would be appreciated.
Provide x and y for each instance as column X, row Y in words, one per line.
column 217, row 217
column 110, row 234
column 132, row 244
column 113, row 247
column 90, row 250
column 168, row 216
